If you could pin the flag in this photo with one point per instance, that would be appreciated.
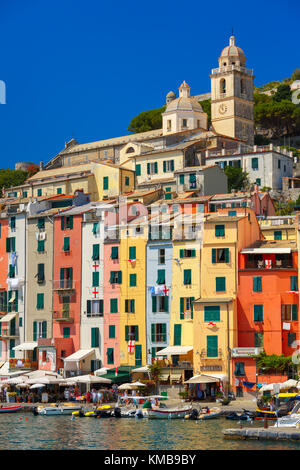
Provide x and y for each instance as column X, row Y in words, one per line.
column 211, row 323
column 268, row 263
column 116, row 372
column 130, row 347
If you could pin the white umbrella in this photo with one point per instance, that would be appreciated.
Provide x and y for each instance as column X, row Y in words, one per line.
column 288, row 384
column 51, row 380
column 138, row 384
column 101, row 371
column 37, row 386
column 125, row 387
column 88, row 379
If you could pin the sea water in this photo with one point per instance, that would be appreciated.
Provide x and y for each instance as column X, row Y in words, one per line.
column 24, row 431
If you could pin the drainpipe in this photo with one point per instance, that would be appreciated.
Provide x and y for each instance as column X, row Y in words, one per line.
column 228, row 350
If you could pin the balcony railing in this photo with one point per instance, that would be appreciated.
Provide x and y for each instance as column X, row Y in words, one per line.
column 64, row 284
column 204, row 354
column 9, row 333
column 230, row 68
column 246, row 351
column 262, row 265
column 20, row 364
column 63, row 316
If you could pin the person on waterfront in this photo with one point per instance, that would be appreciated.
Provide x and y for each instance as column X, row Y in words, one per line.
column 88, row 397
column 67, row 394
column 94, row 396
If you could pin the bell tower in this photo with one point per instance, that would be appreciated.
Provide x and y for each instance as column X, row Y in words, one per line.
column 232, row 95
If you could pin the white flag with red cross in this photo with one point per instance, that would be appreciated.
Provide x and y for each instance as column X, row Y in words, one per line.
column 131, row 346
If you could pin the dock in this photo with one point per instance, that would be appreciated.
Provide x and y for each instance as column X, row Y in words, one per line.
column 269, row 434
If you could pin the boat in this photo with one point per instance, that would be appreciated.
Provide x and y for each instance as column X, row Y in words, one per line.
column 167, row 413
column 210, row 413
column 285, row 404
column 246, row 415
column 290, row 421
column 56, row 410
column 10, row 409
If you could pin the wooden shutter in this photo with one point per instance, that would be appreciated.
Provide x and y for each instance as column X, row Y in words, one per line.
column 126, row 333
column 88, row 306
column 136, row 333
column 177, row 335
column 153, row 303
column 62, row 223
column 34, row 331
column 294, row 312
column 44, row 329
column 181, row 308
column 212, row 346
column 214, row 255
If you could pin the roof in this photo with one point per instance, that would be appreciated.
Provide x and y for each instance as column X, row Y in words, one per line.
column 224, row 218
column 45, row 174
column 184, row 103
column 232, row 50
column 29, row 346
column 271, row 246
column 195, row 168
column 79, row 355
column 242, row 195
column 157, row 181
column 214, row 300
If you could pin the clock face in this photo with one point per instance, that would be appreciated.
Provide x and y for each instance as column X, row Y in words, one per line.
column 222, row 108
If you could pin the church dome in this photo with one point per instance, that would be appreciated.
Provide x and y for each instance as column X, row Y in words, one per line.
column 184, row 104
column 232, row 52
column 171, row 94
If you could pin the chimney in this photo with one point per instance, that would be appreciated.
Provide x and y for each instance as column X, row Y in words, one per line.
column 41, row 166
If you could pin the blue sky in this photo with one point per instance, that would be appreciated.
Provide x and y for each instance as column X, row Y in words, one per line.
column 83, row 69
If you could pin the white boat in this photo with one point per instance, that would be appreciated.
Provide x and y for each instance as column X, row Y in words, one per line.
column 57, row 410
column 292, row 420
column 167, row 413
column 212, row 413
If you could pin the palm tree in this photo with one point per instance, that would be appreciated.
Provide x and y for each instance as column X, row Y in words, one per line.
column 155, row 373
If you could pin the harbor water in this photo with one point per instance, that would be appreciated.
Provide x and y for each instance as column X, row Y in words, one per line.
column 24, row 431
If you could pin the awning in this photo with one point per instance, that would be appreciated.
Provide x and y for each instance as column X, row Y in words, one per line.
column 218, row 375
column 175, row 375
column 164, row 377
column 144, row 369
column 26, row 346
column 123, row 374
column 79, row 355
column 274, row 250
column 201, row 379
column 174, row 350
column 8, row 317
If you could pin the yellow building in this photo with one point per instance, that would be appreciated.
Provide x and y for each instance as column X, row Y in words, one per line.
column 215, row 317
column 278, row 228
column 133, row 240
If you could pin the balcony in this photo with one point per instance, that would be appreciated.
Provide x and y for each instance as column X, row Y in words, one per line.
column 63, row 316
column 64, row 285
column 230, row 68
column 20, row 364
column 8, row 333
column 261, row 264
column 246, row 352
column 203, row 355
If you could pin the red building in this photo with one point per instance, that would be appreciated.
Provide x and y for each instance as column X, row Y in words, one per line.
column 267, row 309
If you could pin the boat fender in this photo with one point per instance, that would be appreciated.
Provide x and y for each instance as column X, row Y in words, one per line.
column 139, row 414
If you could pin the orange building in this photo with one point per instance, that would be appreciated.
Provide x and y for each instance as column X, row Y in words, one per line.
column 67, row 284
column 3, row 283
column 267, row 309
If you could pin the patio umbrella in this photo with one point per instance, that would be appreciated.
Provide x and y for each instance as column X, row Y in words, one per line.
column 138, row 384
column 37, row 386
column 88, row 379
column 288, row 384
column 125, row 387
column 51, row 380
column 101, row 371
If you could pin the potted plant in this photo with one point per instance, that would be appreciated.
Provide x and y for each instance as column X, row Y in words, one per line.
column 12, row 397
column 184, row 395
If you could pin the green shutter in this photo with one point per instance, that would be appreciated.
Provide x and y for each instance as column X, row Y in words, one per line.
column 132, row 306
column 126, row 333
column 138, row 355
column 212, row 346
column 257, row 284
column 181, row 308
column 164, row 333
column 70, row 222
column 34, row 331
column 110, row 355
column 112, row 276
column 164, row 166
column 153, row 333
column 166, row 304
column 119, row 277
column 294, row 283
column 95, row 228
column 41, row 246
column 44, row 329
column 155, row 167
column 220, row 284
column 111, row 331
column 192, row 306
column 177, row 335
column 219, row 230
column 96, row 252
column 132, row 280
column 40, row 301
column 113, row 305
column 11, row 271
column 41, row 223
column 132, row 252
column 153, row 303
column 95, row 279
column 138, row 169
column 148, row 168
column 187, row 277
column 181, row 179
column 172, row 165
column 88, row 306
column 212, row 313
column 66, row 244
column 95, row 337
column 214, row 255
column 62, row 223
column 136, row 333
column 294, row 312
column 258, row 313
column 161, row 276
column 181, row 253
column 13, row 243
column 114, row 252
column 277, row 235
column 105, row 182
column 66, row 332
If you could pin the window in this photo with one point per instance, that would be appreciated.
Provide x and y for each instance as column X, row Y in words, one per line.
column 184, row 122
column 212, row 346
column 220, row 284
column 258, row 313
column 40, row 330
column 161, row 256
column 105, row 182
column 279, row 164
column 96, row 252
column 96, row 228
column 132, row 253
column 130, row 306
column 12, row 223
column 258, row 181
column 41, row 246
column 220, row 255
column 277, row 235
column 66, row 222
column 186, row 307
column 126, row 180
column 138, row 169
column 257, row 284
column 239, row 369
column 254, row 163
column 66, row 332
column 24, row 194
column 115, row 277
column 220, row 230
column 181, row 179
column 94, row 308
column 222, row 86
column 162, row 303
column 39, row 192
column 111, row 331
column 113, row 305
column 258, row 340
column 3, row 301
column 211, row 313
column 95, row 337
column 289, row 312
column 66, row 278
column 114, row 252
column 158, row 332
column 58, row 191
column 243, row 87
column 11, row 271
column 187, row 277
column 95, row 279
column 110, row 355
column 187, row 253
column 193, row 180
column 152, row 168
column 138, row 355
column 132, row 280
column 66, row 246
column 40, row 301
column 231, row 213
column 177, row 335
column 169, row 124
column 12, row 305
column 168, row 165
column 161, row 276
column 131, row 333
column 10, row 244
column 291, row 339
column 41, row 223
column 294, row 283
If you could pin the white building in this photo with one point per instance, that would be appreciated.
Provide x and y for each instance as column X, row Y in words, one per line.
column 266, row 166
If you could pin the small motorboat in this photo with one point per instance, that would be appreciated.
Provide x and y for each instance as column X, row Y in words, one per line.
column 10, row 409
column 244, row 416
column 206, row 413
column 56, row 410
column 290, row 421
column 167, row 413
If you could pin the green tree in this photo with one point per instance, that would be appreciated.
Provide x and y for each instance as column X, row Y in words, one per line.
column 281, row 118
column 206, row 106
column 296, row 74
column 283, row 93
column 237, row 178
column 9, row 178
column 147, row 121
column 155, row 373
